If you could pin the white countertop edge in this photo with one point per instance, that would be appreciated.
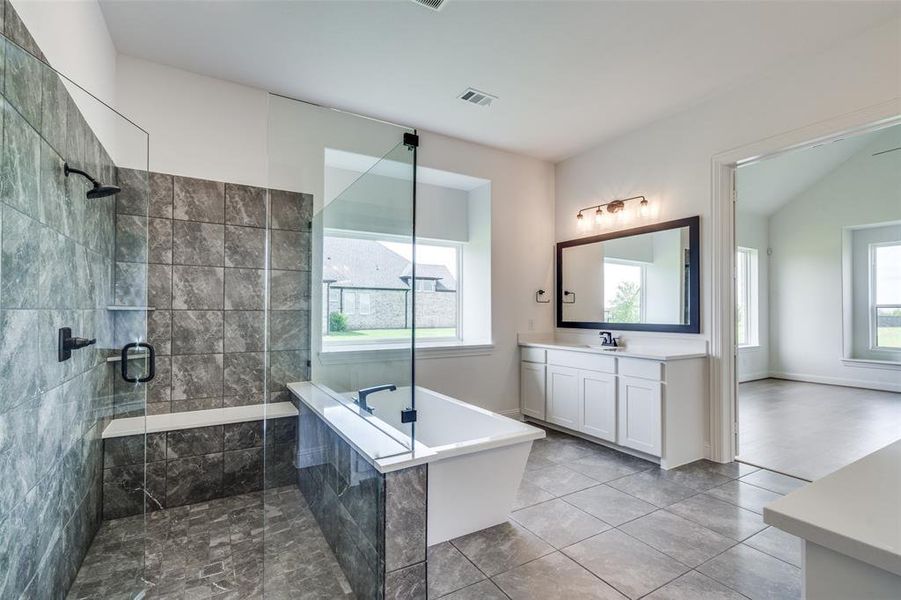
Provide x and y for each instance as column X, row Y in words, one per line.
column 362, row 436
column 197, row 418
column 873, row 487
column 557, row 345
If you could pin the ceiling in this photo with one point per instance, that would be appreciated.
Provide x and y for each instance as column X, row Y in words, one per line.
column 568, row 75
column 764, row 187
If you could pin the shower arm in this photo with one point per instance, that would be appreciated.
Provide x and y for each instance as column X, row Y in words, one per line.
column 67, row 169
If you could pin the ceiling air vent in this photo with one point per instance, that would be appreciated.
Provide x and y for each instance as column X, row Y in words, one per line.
column 474, row 96
column 433, row 4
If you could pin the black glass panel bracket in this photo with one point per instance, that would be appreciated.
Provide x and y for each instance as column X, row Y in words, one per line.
column 66, row 343
column 151, row 362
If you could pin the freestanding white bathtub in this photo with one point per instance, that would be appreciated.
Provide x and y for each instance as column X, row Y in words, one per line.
column 476, row 459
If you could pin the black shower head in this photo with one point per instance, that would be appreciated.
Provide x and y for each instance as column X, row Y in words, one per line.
column 99, row 190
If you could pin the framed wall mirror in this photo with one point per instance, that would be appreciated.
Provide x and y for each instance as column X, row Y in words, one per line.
column 641, row 279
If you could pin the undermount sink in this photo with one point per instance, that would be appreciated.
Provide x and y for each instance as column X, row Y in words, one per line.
column 607, row 348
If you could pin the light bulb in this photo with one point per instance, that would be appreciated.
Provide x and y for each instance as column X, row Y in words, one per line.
column 643, row 208
column 598, row 216
column 580, row 221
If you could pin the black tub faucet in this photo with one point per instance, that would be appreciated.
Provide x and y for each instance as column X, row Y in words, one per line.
column 361, row 395
column 607, row 339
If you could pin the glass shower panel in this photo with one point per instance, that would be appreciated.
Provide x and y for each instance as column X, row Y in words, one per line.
column 67, row 244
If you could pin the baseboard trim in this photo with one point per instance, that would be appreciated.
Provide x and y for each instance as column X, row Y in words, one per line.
column 513, row 413
column 754, row 377
column 883, row 386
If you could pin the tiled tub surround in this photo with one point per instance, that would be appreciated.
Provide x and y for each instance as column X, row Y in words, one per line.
column 375, row 523
column 56, row 259
column 195, row 465
column 197, row 251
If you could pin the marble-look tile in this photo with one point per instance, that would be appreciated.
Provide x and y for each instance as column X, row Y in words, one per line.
column 53, row 111
column 287, row 367
column 654, row 487
column 289, row 290
column 245, row 247
column 159, row 286
column 20, row 164
column 730, row 469
column 242, row 471
column 754, row 574
column 782, row 545
column 159, row 239
column 501, row 548
column 694, row 586
column 684, row 540
column 559, row 480
column 290, row 210
column 135, row 194
column 554, row 576
column 449, row 570
column 21, row 379
column 698, row 475
column 744, row 495
column 289, row 329
column 197, row 376
column 198, row 244
column 23, row 81
column 197, row 331
column 244, row 330
column 16, row 31
column 197, row 288
column 190, row 404
column 408, row 583
column 563, row 449
column 18, row 455
column 630, row 566
column 244, row 289
column 131, row 238
column 193, row 479
column 604, row 466
column 134, row 450
column 405, row 517
column 244, row 373
column 610, row 505
column 724, row 518
column 159, row 331
column 194, row 442
column 129, row 490
column 245, row 205
column 530, row 494
column 558, row 523
column 55, row 209
column 198, row 200
column 131, row 285
column 484, row 590
column 289, row 250
column 239, row 436
column 774, row 482
column 161, row 192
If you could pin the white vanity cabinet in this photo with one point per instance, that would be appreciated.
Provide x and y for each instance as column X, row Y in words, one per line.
column 655, row 407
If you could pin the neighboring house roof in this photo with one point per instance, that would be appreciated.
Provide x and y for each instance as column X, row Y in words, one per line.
column 359, row 263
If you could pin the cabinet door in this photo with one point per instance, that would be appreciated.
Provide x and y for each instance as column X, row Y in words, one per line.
column 531, row 389
column 598, row 404
column 563, row 396
column 640, row 406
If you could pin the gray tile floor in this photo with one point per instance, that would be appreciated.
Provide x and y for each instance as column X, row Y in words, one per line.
column 592, row 523
column 235, row 548
column 808, row 429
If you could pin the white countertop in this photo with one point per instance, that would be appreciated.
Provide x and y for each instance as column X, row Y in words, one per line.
column 645, row 352
column 855, row 511
column 197, row 418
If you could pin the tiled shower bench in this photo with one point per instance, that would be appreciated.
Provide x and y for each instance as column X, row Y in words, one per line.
column 196, row 456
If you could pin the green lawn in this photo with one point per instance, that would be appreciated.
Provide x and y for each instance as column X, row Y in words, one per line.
column 364, row 335
column 890, row 337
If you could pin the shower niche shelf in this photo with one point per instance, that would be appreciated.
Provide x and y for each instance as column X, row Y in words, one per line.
column 117, row 358
column 130, row 308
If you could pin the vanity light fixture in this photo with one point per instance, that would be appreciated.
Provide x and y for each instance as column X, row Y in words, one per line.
column 614, row 207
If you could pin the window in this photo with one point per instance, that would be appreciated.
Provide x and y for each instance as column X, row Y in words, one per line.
column 363, row 304
column 425, row 285
column 624, row 288
column 350, row 303
column 885, row 296
column 746, row 290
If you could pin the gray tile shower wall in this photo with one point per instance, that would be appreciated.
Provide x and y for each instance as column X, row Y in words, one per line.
column 197, row 251
column 374, row 523
column 195, row 465
column 56, row 259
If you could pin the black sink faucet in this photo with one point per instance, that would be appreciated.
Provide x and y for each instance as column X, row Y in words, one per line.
column 362, row 394
column 607, row 339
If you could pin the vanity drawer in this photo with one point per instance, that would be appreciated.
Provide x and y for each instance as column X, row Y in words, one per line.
column 533, row 355
column 643, row 369
column 582, row 360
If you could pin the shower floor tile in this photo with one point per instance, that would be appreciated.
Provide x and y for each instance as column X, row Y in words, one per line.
column 262, row 544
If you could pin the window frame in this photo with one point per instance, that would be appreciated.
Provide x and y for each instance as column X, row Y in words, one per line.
column 751, row 259
column 873, row 305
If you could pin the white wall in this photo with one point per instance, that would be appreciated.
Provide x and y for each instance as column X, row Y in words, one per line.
column 752, row 231
column 670, row 160
column 806, row 266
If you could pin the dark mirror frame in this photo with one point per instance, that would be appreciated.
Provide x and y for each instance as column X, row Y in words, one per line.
column 694, row 275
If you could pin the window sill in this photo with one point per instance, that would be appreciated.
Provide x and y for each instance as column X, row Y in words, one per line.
column 356, row 353
column 867, row 363
column 750, row 348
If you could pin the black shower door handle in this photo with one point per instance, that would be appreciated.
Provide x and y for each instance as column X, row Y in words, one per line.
column 151, row 369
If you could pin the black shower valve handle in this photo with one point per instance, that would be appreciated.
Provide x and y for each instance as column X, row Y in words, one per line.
column 67, row 343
